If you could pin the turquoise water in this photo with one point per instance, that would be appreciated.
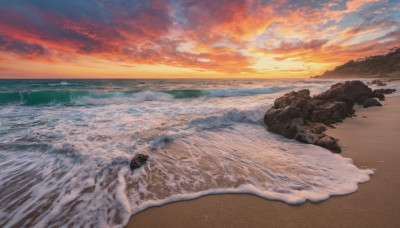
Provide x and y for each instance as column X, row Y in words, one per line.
column 65, row 148
column 42, row 92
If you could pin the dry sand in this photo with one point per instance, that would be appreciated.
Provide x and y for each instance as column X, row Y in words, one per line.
column 373, row 142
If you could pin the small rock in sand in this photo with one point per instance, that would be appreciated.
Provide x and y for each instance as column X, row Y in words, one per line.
column 138, row 161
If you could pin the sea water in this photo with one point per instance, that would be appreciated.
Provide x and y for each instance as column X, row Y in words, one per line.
column 66, row 145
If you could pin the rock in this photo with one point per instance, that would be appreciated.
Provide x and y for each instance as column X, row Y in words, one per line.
column 371, row 102
column 362, row 99
column 289, row 112
column 385, row 91
column 378, row 82
column 297, row 115
column 379, row 95
column 329, row 143
column 331, row 112
column 350, row 89
column 138, row 161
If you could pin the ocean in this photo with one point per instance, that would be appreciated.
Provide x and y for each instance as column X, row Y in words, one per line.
column 66, row 145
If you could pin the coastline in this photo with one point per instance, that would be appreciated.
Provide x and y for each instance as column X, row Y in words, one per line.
column 371, row 142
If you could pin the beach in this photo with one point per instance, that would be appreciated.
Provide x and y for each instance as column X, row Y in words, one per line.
column 370, row 139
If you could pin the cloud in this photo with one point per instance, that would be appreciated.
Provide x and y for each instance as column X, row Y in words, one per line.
column 299, row 45
column 370, row 24
column 279, row 58
column 222, row 36
column 21, row 48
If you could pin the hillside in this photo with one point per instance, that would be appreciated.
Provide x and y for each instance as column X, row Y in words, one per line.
column 372, row 66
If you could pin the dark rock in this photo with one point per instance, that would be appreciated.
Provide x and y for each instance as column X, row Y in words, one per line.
column 385, row 91
column 378, row 82
column 299, row 116
column 289, row 112
column 138, row 161
column 371, row 102
column 329, row 143
column 379, row 95
column 318, row 128
column 362, row 99
column 331, row 112
column 351, row 89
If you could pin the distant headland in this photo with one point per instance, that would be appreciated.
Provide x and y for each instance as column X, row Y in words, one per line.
column 378, row 66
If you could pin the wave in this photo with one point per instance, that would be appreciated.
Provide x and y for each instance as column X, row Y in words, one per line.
column 227, row 118
column 123, row 97
column 62, row 84
column 186, row 93
column 40, row 97
column 191, row 93
column 49, row 97
column 243, row 92
column 54, row 84
column 69, row 97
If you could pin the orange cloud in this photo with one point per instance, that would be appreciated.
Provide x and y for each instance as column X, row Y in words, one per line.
column 225, row 38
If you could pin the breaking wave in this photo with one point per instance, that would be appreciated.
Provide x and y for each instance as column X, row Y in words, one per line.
column 52, row 97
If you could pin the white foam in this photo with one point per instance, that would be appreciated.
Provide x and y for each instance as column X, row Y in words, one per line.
column 63, row 83
column 243, row 159
column 122, row 98
column 228, row 118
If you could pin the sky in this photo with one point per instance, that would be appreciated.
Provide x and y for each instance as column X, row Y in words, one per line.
column 190, row 38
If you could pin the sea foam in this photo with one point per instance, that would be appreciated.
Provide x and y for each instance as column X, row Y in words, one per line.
column 243, row 159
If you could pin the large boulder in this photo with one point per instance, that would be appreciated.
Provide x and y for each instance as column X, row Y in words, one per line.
column 299, row 116
column 289, row 112
column 350, row 89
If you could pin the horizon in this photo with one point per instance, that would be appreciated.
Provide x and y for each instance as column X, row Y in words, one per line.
column 182, row 39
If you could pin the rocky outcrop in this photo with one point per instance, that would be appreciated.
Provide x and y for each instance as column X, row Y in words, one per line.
column 299, row 116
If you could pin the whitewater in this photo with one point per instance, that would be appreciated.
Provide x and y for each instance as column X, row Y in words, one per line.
column 66, row 145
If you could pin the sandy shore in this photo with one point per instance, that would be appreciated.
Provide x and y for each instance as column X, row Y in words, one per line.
column 372, row 142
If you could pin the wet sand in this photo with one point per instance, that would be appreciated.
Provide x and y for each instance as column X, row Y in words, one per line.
column 372, row 142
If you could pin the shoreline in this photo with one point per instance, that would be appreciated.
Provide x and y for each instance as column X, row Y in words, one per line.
column 371, row 142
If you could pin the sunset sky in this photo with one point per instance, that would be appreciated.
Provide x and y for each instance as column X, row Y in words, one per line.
column 190, row 38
